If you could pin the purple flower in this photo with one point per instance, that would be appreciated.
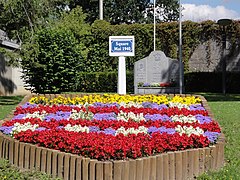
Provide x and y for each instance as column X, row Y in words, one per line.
column 146, row 84
column 19, row 116
column 110, row 131
column 212, row 136
column 93, row 129
column 203, row 119
column 147, row 104
column 155, row 117
column 167, row 130
column 105, row 116
column 154, row 105
column 152, row 129
column 162, row 106
column 64, row 115
column 195, row 107
column 99, row 104
column 28, row 105
column 60, row 115
column 41, row 129
column 162, row 129
column 49, row 117
column 6, row 129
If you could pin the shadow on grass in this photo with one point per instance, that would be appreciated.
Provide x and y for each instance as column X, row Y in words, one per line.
column 10, row 100
column 219, row 97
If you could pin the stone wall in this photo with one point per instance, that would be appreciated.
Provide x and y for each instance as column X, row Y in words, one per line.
column 207, row 57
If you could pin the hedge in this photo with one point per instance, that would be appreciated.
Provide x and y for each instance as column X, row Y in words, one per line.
column 211, row 82
column 193, row 82
column 167, row 40
column 102, row 82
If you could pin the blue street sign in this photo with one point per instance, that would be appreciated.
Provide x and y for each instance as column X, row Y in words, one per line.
column 121, row 45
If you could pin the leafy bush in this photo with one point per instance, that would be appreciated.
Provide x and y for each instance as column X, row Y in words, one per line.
column 53, row 65
column 102, row 82
column 10, row 172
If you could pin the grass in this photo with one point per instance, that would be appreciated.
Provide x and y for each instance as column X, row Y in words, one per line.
column 7, row 104
column 7, row 171
column 226, row 109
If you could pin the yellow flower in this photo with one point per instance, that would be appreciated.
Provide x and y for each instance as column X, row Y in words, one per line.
column 111, row 98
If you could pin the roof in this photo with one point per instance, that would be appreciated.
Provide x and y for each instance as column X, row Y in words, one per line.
column 6, row 42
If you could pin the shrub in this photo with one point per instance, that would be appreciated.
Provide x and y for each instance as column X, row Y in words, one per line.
column 102, row 82
column 53, row 64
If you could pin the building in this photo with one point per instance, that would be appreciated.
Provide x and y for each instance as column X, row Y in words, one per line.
column 10, row 77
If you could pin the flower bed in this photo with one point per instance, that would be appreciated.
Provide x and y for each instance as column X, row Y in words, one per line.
column 114, row 127
column 155, row 84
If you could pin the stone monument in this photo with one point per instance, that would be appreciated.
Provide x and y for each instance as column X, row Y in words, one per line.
column 156, row 69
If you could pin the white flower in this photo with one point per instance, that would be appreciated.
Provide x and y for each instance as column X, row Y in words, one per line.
column 131, row 104
column 23, row 127
column 125, row 132
column 131, row 131
column 184, row 119
column 188, row 130
column 178, row 105
column 36, row 114
column 127, row 116
column 121, row 130
column 76, row 128
column 81, row 115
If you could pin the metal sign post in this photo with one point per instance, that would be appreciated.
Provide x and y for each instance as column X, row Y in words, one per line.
column 121, row 46
column 223, row 23
column 181, row 68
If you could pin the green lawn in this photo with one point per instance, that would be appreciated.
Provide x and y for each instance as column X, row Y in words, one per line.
column 228, row 115
column 225, row 108
column 7, row 104
column 8, row 172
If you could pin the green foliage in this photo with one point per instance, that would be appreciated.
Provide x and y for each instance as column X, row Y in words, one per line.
column 169, row 10
column 120, row 11
column 10, row 57
column 20, row 18
column 10, row 172
column 74, row 21
column 167, row 40
column 194, row 82
column 102, row 82
column 51, row 66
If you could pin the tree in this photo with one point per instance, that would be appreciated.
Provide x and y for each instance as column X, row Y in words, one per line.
column 168, row 10
column 121, row 11
column 74, row 21
column 52, row 60
column 20, row 18
column 51, row 65
column 131, row 11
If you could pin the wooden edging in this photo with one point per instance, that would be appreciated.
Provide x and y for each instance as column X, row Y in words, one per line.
column 181, row 165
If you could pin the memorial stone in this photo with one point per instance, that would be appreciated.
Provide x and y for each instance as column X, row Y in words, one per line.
column 156, row 68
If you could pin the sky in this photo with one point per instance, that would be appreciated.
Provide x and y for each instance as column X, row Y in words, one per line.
column 201, row 10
